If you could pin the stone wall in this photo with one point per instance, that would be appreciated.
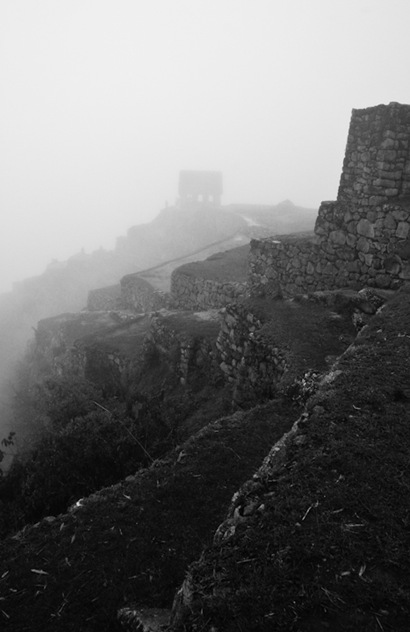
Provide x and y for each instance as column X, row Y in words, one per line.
column 133, row 293
column 363, row 237
column 87, row 346
column 104, row 298
column 140, row 296
column 347, row 250
column 251, row 363
column 286, row 265
column 230, row 346
column 376, row 167
column 69, row 345
column 191, row 292
column 187, row 345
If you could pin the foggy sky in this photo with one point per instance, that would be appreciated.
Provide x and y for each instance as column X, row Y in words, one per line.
column 103, row 101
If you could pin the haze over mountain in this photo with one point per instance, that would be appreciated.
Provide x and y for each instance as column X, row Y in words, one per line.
column 173, row 234
column 103, row 102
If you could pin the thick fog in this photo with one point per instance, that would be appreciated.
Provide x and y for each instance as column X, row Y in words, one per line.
column 104, row 101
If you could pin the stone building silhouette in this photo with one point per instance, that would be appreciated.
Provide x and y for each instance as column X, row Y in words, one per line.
column 200, row 188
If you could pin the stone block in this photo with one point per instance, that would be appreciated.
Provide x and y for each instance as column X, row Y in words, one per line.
column 387, row 155
column 363, row 245
column 384, row 183
column 400, row 214
column 329, row 269
column 365, row 228
column 351, row 240
column 310, row 269
column 389, row 222
column 402, row 230
column 389, row 143
column 382, row 280
column 353, row 266
column 403, row 250
column 338, row 237
column 392, row 265
column 405, row 271
column 375, row 200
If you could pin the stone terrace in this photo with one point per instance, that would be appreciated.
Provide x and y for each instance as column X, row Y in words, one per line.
column 363, row 237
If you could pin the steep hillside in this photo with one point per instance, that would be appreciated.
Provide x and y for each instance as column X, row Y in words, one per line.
column 134, row 540
column 318, row 538
column 63, row 287
column 310, row 346
column 315, row 540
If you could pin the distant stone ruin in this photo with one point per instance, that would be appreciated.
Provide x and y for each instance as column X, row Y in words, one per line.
column 363, row 238
column 200, row 188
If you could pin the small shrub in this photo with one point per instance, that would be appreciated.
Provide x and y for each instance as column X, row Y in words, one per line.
column 304, row 387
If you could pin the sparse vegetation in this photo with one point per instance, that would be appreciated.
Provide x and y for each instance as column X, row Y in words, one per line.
column 133, row 541
column 122, row 484
column 77, row 440
column 328, row 547
column 231, row 265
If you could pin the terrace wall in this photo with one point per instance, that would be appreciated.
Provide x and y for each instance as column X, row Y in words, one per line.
column 363, row 237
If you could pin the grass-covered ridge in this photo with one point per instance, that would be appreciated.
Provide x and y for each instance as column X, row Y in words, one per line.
column 133, row 541
column 320, row 541
column 317, row 541
column 231, row 265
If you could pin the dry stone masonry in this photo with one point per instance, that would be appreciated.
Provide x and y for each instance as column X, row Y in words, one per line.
column 252, row 364
column 104, row 298
column 363, row 237
column 132, row 293
column 185, row 340
column 376, row 167
column 191, row 292
column 360, row 240
column 140, row 296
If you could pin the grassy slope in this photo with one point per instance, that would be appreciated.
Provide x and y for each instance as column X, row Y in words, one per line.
column 328, row 548
column 309, row 334
column 160, row 275
column 231, row 265
column 133, row 542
